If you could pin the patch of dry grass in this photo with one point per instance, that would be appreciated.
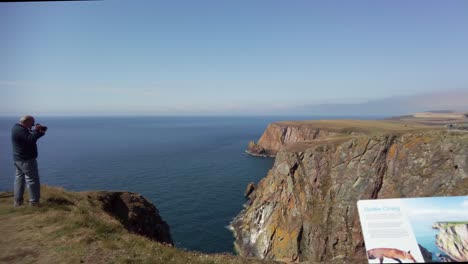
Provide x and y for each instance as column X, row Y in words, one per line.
column 303, row 145
column 364, row 126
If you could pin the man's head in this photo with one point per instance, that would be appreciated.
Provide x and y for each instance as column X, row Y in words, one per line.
column 27, row 121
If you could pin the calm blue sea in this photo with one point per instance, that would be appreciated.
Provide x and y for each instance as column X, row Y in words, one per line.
column 426, row 237
column 193, row 169
column 428, row 241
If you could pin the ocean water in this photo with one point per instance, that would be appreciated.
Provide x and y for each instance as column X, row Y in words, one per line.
column 428, row 241
column 193, row 169
column 426, row 237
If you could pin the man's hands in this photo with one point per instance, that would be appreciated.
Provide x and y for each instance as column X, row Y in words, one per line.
column 42, row 129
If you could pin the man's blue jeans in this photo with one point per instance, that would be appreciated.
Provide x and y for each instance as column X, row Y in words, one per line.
column 26, row 171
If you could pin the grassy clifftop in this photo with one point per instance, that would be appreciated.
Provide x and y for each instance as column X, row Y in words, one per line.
column 300, row 135
column 73, row 227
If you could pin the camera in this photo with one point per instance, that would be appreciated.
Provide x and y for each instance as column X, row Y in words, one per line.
column 41, row 128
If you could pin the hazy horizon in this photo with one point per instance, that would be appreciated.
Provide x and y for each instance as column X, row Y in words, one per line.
column 454, row 100
column 233, row 58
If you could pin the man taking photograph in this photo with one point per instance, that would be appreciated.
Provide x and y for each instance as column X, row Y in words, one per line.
column 24, row 139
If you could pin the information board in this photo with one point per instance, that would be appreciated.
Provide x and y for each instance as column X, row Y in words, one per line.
column 415, row 230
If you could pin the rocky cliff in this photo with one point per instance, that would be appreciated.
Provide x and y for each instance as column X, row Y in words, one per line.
column 137, row 214
column 452, row 239
column 305, row 208
column 281, row 134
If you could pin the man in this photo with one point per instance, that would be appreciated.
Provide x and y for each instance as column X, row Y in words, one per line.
column 24, row 140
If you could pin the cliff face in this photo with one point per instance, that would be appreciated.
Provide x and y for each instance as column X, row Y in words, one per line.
column 137, row 214
column 452, row 239
column 281, row 134
column 305, row 208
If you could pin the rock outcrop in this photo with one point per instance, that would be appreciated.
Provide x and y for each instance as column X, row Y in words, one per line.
column 137, row 214
column 305, row 208
column 281, row 134
column 452, row 239
column 249, row 189
column 427, row 255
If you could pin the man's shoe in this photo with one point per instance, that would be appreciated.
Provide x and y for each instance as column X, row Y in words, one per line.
column 18, row 204
column 35, row 204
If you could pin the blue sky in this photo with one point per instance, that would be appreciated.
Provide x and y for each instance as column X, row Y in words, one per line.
column 225, row 56
column 424, row 212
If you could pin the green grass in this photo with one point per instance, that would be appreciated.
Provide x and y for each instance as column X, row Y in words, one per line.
column 454, row 223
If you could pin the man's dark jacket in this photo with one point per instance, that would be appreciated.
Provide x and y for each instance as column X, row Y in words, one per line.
column 24, row 142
